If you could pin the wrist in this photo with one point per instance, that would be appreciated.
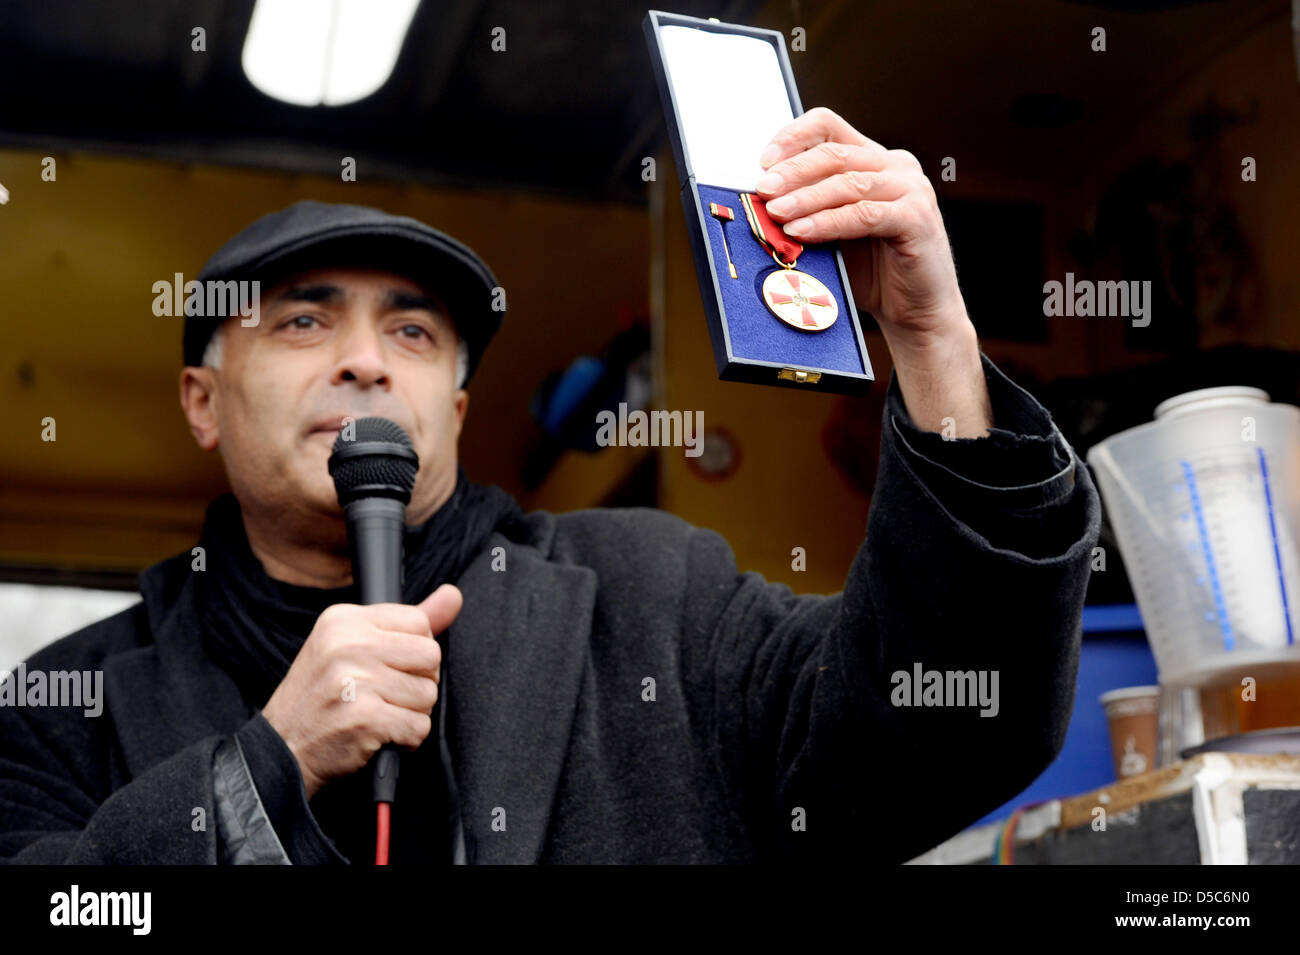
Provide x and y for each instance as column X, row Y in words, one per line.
column 311, row 784
column 941, row 379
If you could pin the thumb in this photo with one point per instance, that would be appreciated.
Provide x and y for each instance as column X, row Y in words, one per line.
column 442, row 606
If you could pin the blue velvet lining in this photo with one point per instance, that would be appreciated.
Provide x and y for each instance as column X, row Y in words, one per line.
column 755, row 332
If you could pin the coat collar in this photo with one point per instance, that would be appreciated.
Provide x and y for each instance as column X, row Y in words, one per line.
column 189, row 697
column 514, row 657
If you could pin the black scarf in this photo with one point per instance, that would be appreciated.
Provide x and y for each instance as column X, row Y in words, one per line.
column 254, row 625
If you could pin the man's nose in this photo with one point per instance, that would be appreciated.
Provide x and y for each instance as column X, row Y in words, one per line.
column 361, row 357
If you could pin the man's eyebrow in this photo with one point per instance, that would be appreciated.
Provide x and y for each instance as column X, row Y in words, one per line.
column 320, row 293
column 402, row 300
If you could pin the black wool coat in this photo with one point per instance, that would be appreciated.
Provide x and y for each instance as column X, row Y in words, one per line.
column 621, row 692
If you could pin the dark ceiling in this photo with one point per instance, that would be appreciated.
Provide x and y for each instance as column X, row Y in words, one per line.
column 569, row 107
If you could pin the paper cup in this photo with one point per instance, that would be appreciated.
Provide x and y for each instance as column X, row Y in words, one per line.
column 1133, row 713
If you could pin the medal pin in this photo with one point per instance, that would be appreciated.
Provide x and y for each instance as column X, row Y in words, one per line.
column 724, row 214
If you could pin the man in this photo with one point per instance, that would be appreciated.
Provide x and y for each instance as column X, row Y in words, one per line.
column 606, row 685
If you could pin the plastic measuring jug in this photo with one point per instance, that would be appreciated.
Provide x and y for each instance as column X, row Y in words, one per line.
column 1205, row 503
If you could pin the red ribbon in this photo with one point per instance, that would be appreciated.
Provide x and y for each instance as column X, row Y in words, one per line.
column 768, row 231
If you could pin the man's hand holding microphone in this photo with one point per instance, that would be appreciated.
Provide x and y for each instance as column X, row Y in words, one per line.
column 386, row 653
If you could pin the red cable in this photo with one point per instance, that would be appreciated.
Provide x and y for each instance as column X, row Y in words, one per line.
column 381, row 833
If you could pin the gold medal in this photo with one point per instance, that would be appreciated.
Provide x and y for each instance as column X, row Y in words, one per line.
column 800, row 300
column 796, row 298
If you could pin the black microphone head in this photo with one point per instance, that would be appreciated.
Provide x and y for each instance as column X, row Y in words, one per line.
column 375, row 459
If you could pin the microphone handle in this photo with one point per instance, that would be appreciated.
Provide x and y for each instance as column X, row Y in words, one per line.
column 375, row 531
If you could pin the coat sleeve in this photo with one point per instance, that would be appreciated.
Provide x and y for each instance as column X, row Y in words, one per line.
column 263, row 816
column 230, row 800
column 822, row 753
column 51, row 813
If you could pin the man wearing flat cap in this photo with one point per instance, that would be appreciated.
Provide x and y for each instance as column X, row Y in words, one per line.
column 247, row 692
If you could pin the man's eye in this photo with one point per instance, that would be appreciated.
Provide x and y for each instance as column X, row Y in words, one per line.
column 419, row 329
column 294, row 322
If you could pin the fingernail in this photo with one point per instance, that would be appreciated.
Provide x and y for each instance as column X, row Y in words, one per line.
column 770, row 183
column 781, row 205
column 798, row 227
column 770, row 155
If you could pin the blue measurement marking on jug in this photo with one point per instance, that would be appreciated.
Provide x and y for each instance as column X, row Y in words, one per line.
column 1190, row 477
column 1277, row 551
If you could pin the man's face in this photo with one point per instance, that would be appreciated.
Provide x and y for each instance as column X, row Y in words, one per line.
column 331, row 344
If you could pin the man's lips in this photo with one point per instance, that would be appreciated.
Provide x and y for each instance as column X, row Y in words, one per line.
column 331, row 425
column 327, row 429
column 334, row 425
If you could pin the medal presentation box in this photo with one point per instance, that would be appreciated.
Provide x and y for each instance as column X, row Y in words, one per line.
column 780, row 312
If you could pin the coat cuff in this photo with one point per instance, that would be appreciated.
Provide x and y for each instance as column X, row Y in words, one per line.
column 1014, row 487
column 261, row 803
column 1023, row 463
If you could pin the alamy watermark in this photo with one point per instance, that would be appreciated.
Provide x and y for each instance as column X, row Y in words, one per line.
column 211, row 298
column 923, row 687
column 77, row 688
column 130, row 909
column 639, row 429
column 1086, row 298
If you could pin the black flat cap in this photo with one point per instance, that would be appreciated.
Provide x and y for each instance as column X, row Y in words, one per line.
column 311, row 235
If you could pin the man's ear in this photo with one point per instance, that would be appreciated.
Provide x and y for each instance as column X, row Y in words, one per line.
column 199, row 401
column 462, row 406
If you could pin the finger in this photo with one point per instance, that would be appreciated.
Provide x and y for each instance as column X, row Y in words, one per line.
column 818, row 163
column 441, row 607
column 906, row 159
column 867, row 217
column 384, row 616
column 411, row 729
column 836, row 191
column 408, row 691
column 818, row 125
column 410, row 653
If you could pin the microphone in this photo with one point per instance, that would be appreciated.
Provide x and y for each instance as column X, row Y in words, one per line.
column 374, row 471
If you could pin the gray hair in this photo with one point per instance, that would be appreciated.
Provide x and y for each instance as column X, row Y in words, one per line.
column 212, row 355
